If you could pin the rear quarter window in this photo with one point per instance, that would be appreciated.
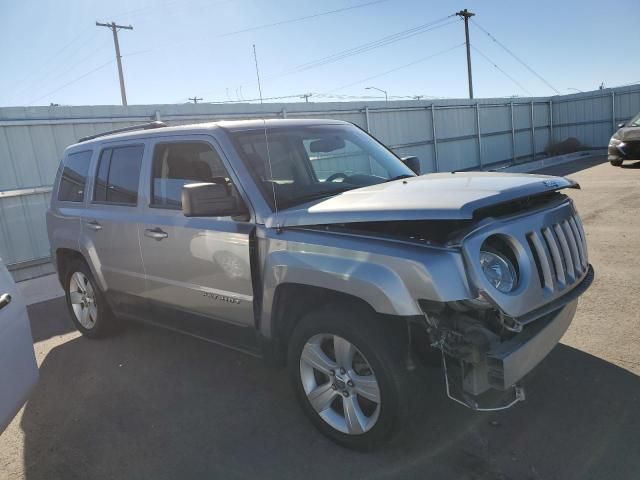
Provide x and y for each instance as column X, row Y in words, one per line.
column 74, row 176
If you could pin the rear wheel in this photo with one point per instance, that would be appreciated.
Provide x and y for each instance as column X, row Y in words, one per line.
column 616, row 163
column 347, row 368
column 87, row 306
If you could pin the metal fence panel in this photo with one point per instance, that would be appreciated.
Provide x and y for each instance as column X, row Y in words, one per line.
column 401, row 127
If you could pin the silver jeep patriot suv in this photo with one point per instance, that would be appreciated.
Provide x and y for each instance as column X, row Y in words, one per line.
column 310, row 244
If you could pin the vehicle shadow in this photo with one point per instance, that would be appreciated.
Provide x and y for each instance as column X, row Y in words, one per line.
column 49, row 319
column 154, row 404
column 572, row 167
column 634, row 165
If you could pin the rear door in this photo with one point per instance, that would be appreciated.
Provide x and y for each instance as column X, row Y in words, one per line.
column 198, row 267
column 110, row 222
column 18, row 368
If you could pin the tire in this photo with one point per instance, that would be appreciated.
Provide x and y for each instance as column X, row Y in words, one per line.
column 616, row 163
column 89, row 310
column 345, row 407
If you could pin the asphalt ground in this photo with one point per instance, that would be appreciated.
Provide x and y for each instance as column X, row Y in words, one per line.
column 152, row 404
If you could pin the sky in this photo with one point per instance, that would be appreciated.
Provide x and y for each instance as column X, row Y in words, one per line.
column 53, row 52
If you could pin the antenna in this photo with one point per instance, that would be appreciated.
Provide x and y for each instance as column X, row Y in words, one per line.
column 273, row 184
column 255, row 59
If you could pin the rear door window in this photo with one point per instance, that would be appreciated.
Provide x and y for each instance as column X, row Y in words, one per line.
column 118, row 175
column 74, row 177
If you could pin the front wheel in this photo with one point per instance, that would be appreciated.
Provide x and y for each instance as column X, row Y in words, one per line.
column 616, row 163
column 347, row 368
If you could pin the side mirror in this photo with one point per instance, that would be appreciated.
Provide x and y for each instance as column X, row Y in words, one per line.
column 208, row 200
column 621, row 125
column 413, row 163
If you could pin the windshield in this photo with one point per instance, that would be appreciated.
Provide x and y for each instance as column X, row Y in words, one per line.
column 312, row 162
column 634, row 122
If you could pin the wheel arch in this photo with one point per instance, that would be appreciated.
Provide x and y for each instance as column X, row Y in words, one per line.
column 293, row 300
column 64, row 256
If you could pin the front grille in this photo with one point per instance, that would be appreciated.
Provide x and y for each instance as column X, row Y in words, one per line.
column 560, row 253
column 631, row 150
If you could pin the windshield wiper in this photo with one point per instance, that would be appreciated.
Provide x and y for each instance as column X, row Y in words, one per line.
column 399, row 177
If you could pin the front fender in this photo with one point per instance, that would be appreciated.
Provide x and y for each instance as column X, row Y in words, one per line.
column 376, row 284
column 390, row 278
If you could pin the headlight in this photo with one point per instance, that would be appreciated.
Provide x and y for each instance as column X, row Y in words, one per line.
column 614, row 142
column 499, row 271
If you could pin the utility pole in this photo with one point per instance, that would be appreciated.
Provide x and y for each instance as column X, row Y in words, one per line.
column 306, row 96
column 466, row 14
column 195, row 99
column 114, row 28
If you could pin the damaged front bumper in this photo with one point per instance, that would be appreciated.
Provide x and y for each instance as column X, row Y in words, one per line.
column 508, row 362
column 502, row 364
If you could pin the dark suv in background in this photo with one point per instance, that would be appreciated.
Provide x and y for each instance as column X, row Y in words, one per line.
column 625, row 143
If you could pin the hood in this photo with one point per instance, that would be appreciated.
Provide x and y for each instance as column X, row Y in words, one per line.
column 438, row 196
column 628, row 134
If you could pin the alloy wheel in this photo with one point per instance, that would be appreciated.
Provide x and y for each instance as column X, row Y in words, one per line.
column 340, row 384
column 83, row 300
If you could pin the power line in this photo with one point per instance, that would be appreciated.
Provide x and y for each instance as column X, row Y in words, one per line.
column 427, row 27
column 256, row 99
column 26, row 83
column 150, row 9
column 627, row 84
column 404, row 34
column 324, row 95
column 48, row 80
column 423, row 59
column 501, row 70
column 175, row 44
column 40, row 67
column 300, row 19
column 522, row 62
column 81, row 76
column 72, row 81
column 372, row 97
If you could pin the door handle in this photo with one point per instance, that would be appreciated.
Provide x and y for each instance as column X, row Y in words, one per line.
column 156, row 233
column 93, row 225
column 5, row 300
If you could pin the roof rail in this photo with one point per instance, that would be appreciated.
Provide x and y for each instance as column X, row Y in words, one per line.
column 144, row 126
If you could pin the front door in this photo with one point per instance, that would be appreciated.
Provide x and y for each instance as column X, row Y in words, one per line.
column 197, row 269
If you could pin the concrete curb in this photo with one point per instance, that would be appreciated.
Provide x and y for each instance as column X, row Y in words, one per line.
column 552, row 161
